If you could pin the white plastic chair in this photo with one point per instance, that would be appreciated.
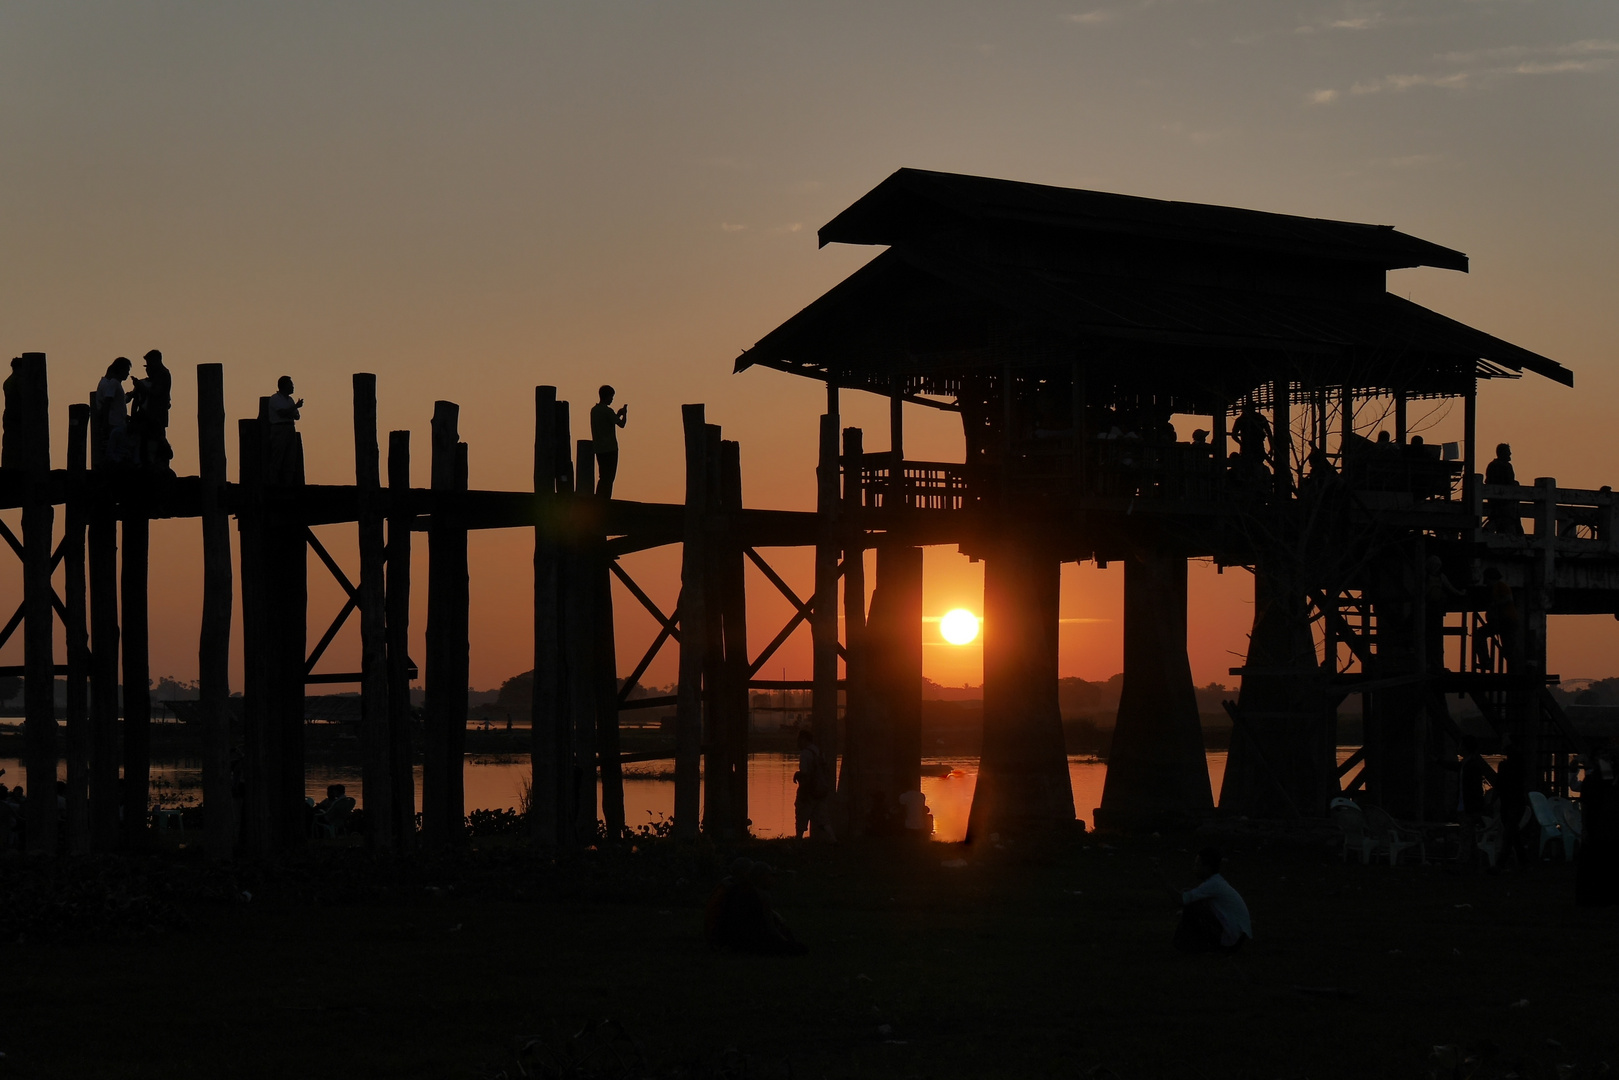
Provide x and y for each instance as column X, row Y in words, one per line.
column 1551, row 826
column 1347, row 816
column 1393, row 835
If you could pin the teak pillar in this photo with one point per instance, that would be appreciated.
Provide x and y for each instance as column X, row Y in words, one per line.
column 375, row 749
column 401, row 741
column 443, row 813
column 1023, row 783
column 286, row 565
column 1156, row 766
column 137, row 678
column 580, row 647
column 213, row 644
column 102, row 545
column 693, row 617
column 39, row 660
column 857, row 687
column 261, row 739
column 824, row 606
column 725, row 786
column 76, row 632
column 548, row 741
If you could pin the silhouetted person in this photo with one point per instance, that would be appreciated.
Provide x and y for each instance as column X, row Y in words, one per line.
column 281, row 413
column 1252, row 433
column 815, row 783
column 112, row 403
column 1503, row 514
column 11, row 419
column 604, row 425
column 1500, row 623
column 149, row 419
column 1214, row 917
column 739, row 914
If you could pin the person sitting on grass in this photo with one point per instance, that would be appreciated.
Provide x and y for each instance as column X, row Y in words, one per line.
column 1213, row 917
column 739, row 915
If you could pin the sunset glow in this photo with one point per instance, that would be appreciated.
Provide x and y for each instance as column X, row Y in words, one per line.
column 959, row 627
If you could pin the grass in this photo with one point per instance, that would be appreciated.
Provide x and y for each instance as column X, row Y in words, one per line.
column 1027, row 961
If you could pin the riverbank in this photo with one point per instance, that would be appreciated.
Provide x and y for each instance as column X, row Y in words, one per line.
column 926, row 960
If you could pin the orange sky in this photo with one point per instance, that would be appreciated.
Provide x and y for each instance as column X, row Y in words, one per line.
column 470, row 201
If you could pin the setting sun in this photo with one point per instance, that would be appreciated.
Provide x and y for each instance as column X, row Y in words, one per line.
column 959, row 627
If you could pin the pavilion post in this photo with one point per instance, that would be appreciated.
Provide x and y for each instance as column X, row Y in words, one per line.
column 401, row 749
column 79, row 742
column 1470, row 441
column 693, row 615
column 39, row 660
column 376, row 753
column 856, row 689
column 824, row 606
column 1399, row 416
column 548, row 744
column 213, row 643
column 102, row 545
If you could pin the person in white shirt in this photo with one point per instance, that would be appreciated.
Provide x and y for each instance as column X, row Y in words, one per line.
column 112, row 401
column 1214, row 917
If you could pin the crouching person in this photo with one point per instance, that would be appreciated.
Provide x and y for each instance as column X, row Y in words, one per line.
column 740, row 917
column 1214, row 917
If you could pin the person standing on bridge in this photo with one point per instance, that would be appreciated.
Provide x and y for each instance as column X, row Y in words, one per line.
column 1503, row 514
column 282, row 413
column 112, row 402
column 149, row 418
column 604, row 425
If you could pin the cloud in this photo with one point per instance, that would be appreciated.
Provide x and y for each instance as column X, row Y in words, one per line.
column 1480, row 67
column 726, row 226
column 1092, row 18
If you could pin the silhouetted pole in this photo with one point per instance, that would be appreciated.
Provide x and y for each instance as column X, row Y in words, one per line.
column 261, row 738
column 376, row 754
column 824, row 617
column 1282, row 439
column 547, row 743
column 213, row 646
column 606, row 695
column 693, row 614
column 899, row 571
column 102, row 543
column 76, row 634
column 39, row 660
column 137, row 669
column 581, row 652
column 857, row 689
column 1023, row 782
column 732, row 581
column 287, row 603
column 401, row 751
column 447, row 655
column 1156, row 765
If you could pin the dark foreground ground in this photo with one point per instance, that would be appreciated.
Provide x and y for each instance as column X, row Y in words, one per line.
column 1024, row 962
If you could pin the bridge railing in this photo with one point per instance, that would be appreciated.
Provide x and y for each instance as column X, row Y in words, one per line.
column 1574, row 520
column 919, row 485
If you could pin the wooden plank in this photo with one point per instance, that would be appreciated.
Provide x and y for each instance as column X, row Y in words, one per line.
column 396, row 601
column 76, row 634
column 375, row 753
column 693, row 607
column 213, row 647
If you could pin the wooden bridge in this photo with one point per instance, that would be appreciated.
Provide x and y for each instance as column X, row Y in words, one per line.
column 1064, row 328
